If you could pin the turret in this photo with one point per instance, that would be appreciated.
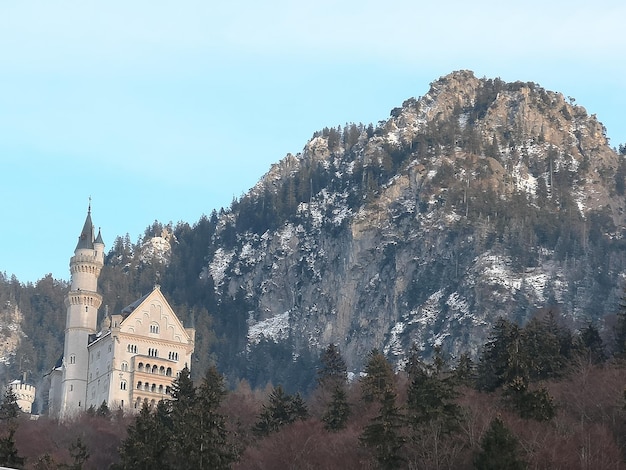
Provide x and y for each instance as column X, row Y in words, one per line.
column 82, row 303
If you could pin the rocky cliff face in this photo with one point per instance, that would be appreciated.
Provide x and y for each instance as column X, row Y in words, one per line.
column 480, row 199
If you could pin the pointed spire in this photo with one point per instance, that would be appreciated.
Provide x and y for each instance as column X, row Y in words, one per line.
column 85, row 240
column 99, row 237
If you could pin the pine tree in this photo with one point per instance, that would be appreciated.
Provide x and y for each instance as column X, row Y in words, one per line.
column 206, row 445
column 148, row 439
column 8, row 452
column 465, row 373
column 332, row 377
column 336, row 416
column 499, row 449
column 530, row 404
column 501, row 360
column 431, row 398
column 79, row 453
column 333, row 369
column 384, row 435
column 282, row 409
column 592, row 345
column 9, row 409
column 103, row 410
column 620, row 329
column 379, row 377
column 9, row 412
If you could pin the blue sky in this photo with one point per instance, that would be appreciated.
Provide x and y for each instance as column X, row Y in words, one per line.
column 167, row 110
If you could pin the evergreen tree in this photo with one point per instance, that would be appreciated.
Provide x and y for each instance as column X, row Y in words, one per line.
column 530, row 404
column 79, row 453
column 203, row 440
column 182, row 415
column 430, row 397
column 465, row 373
column 9, row 412
column 148, row 439
column 9, row 409
column 379, row 378
column 501, row 359
column 103, row 410
column 499, row 449
column 332, row 377
column 384, row 435
column 282, row 409
column 336, row 416
column 332, row 371
column 8, row 452
column 592, row 345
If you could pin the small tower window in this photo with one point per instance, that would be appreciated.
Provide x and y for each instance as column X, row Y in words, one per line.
column 154, row 328
column 73, row 359
column 123, row 385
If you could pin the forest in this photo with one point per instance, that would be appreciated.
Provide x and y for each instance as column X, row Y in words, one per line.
column 539, row 396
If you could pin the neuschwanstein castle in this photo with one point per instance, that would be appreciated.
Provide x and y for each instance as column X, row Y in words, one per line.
column 133, row 357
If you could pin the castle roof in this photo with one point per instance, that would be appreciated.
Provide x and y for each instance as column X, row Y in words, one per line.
column 99, row 238
column 86, row 236
column 129, row 308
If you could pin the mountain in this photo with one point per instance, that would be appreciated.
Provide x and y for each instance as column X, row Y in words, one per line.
column 477, row 200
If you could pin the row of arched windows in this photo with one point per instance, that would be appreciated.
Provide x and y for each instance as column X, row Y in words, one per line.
column 154, row 388
column 154, row 369
column 139, row 401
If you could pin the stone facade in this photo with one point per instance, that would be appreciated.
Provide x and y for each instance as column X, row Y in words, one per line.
column 135, row 354
column 24, row 394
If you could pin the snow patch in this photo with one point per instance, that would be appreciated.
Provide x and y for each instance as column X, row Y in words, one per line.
column 276, row 328
column 217, row 268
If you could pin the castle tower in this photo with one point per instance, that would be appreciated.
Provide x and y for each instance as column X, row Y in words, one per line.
column 82, row 303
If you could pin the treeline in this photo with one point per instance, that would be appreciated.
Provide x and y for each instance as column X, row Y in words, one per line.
column 538, row 396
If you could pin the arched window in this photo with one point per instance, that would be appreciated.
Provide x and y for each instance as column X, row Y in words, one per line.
column 155, row 369
column 72, row 358
column 160, row 388
column 146, row 387
column 124, row 366
column 153, row 389
column 162, row 370
column 168, row 372
column 123, row 385
column 154, row 328
column 139, row 385
column 140, row 367
column 148, row 368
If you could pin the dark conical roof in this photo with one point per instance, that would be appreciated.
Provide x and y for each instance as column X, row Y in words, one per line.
column 99, row 238
column 86, row 236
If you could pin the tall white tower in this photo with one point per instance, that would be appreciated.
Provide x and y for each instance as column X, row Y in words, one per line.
column 82, row 303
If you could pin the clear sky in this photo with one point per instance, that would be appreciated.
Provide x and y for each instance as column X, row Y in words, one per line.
column 167, row 110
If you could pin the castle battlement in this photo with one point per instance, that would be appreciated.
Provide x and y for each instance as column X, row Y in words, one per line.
column 25, row 395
